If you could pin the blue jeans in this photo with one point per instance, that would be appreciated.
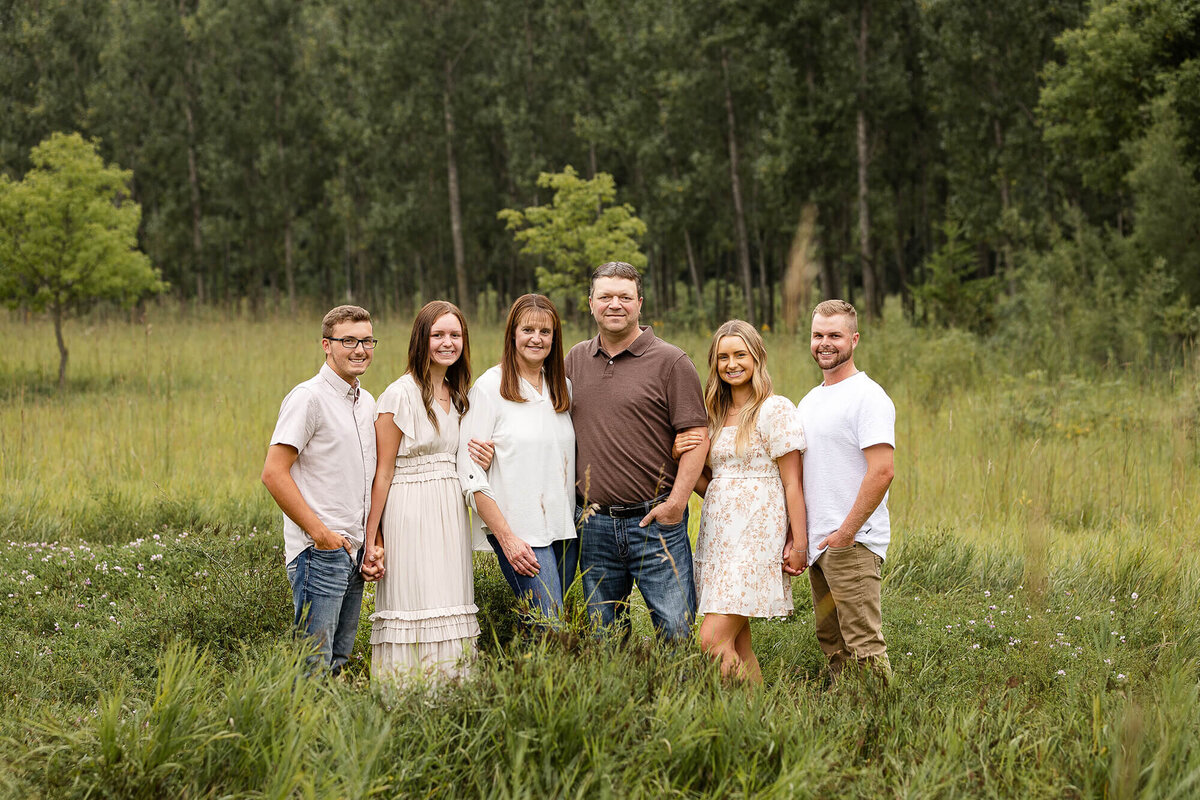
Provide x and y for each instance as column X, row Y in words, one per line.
column 614, row 554
column 327, row 590
column 556, row 571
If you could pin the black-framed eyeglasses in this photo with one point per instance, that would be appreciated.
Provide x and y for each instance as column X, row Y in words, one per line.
column 349, row 342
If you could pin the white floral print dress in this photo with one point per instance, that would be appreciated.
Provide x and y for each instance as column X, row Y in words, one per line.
column 743, row 523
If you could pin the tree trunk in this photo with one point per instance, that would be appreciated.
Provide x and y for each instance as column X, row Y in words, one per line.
column 830, row 288
column 419, row 275
column 739, row 211
column 348, row 243
column 695, row 275
column 764, row 286
column 871, row 304
column 285, row 198
column 57, row 313
column 456, row 234
column 901, row 245
column 189, row 104
column 1005, row 202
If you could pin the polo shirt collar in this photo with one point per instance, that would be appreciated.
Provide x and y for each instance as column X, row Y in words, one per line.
column 343, row 389
column 640, row 345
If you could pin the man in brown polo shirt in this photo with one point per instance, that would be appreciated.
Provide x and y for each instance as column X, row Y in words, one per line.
column 632, row 394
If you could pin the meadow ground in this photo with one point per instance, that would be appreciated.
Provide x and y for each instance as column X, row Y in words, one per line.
column 1041, row 599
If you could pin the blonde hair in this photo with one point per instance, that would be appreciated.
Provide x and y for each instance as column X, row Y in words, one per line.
column 718, row 396
column 834, row 308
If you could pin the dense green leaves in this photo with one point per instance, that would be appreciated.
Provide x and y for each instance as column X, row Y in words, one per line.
column 577, row 231
column 348, row 149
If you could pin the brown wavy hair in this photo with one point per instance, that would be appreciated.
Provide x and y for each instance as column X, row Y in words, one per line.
column 718, row 396
column 553, row 368
column 458, row 376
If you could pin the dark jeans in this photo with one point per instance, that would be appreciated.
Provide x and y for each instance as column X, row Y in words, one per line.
column 615, row 553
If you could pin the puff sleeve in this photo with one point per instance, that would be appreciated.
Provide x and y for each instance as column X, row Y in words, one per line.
column 779, row 425
column 397, row 400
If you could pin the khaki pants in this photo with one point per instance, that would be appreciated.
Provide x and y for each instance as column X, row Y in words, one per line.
column 845, row 587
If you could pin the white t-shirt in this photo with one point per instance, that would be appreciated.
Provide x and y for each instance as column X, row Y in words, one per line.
column 332, row 425
column 840, row 421
column 532, row 477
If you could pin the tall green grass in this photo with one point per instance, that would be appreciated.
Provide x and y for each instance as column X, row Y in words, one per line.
column 1040, row 599
column 167, row 423
column 1082, row 687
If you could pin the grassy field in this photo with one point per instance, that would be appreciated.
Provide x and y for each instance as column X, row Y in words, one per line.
column 1040, row 599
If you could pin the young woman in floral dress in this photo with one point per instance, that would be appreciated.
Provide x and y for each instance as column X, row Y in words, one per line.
column 753, row 501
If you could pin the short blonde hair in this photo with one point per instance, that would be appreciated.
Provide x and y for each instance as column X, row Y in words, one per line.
column 833, row 308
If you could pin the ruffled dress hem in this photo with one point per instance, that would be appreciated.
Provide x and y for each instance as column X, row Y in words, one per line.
column 716, row 596
column 413, row 627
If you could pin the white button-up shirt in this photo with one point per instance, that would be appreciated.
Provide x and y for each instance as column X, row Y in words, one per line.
column 532, row 477
column 331, row 424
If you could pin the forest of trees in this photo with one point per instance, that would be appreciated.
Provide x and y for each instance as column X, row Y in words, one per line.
column 988, row 161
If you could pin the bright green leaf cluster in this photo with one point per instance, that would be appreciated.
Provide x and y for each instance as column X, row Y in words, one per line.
column 577, row 232
column 70, row 232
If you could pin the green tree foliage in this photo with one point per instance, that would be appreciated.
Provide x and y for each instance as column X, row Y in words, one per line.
column 579, row 230
column 68, row 235
column 1099, row 99
column 336, row 149
column 1166, row 199
column 952, row 294
column 1122, row 117
column 983, row 61
column 48, row 60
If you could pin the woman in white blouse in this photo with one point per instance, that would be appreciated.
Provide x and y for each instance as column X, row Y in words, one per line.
column 525, row 500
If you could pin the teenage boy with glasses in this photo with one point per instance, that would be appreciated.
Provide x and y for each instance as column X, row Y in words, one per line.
column 319, row 469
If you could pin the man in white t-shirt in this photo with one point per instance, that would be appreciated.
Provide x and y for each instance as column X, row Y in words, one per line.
column 849, row 424
column 319, row 469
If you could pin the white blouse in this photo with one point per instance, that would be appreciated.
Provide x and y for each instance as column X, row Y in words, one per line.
column 532, row 477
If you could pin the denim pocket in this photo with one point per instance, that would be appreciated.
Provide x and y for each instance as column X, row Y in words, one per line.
column 328, row 572
column 335, row 558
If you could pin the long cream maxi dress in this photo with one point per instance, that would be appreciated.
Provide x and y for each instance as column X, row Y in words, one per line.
column 424, row 621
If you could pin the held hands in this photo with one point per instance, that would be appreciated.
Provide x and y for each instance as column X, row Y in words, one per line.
column 520, row 556
column 482, row 452
column 372, row 566
column 795, row 559
column 685, row 441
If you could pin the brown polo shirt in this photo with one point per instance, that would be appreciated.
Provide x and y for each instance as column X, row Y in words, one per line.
column 627, row 409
